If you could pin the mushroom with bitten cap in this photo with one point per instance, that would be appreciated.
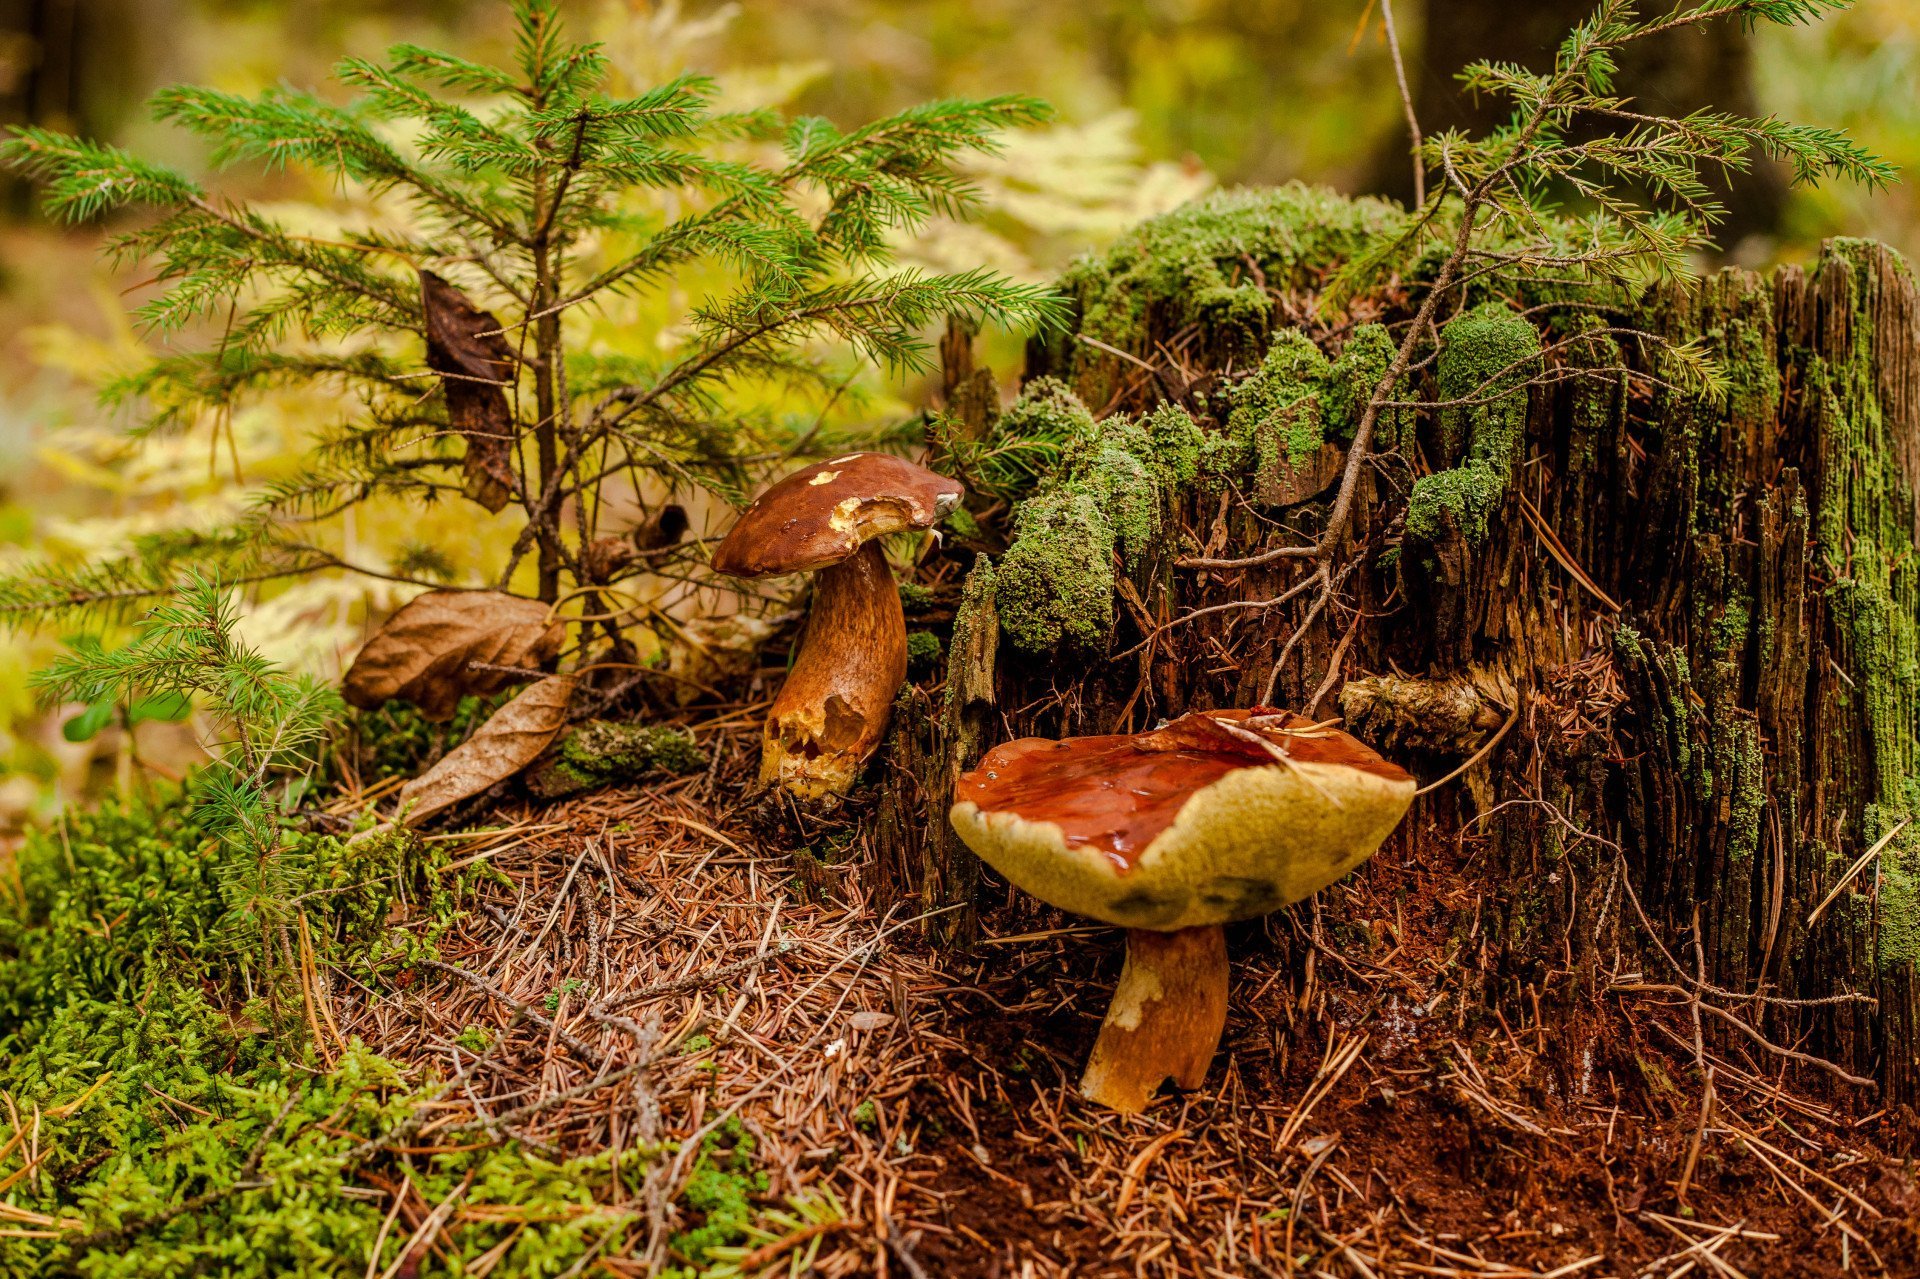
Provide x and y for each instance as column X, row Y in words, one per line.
column 1216, row 817
column 825, row 519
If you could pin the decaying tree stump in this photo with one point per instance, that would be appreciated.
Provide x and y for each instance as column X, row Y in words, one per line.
column 1693, row 618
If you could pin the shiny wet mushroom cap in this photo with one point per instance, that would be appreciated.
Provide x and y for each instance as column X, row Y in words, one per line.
column 826, row 519
column 823, row 513
column 1217, row 817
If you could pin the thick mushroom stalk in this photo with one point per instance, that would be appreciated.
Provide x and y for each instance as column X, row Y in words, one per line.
column 1165, row 1020
column 832, row 710
column 824, row 519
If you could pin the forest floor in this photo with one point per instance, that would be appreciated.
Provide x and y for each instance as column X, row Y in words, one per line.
column 658, row 977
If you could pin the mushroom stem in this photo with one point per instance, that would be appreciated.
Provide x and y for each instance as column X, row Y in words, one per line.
column 853, row 658
column 1165, row 1019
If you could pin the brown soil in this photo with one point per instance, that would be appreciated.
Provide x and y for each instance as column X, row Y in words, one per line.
column 1354, row 1120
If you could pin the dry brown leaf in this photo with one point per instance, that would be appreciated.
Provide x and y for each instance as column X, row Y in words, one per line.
column 424, row 652
column 465, row 346
column 505, row 744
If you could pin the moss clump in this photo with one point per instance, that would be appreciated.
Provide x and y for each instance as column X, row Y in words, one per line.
column 1350, row 384
column 1046, row 411
column 915, row 598
column 1462, row 498
column 394, row 741
column 1107, row 499
column 599, row 753
column 1212, row 262
column 1025, row 443
column 1177, row 446
column 923, row 650
column 1277, row 412
column 1119, row 473
column 1054, row 586
column 1485, row 356
column 1298, row 400
column 721, row 1188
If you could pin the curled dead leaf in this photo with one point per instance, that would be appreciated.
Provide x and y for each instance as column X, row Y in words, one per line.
column 505, row 744
column 424, row 653
column 465, row 346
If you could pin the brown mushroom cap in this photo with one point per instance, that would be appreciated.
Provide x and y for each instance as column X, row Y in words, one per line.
column 823, row 513
column 1189, row 825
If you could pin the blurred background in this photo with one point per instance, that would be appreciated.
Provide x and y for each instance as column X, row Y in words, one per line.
column 1158, row 100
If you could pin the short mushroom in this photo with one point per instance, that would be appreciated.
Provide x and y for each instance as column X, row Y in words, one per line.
column 825, row 519
column 1216, row 817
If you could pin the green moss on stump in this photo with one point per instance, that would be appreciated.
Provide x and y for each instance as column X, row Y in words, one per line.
column 1463, row 498
column 1055, row 584
column 1207, row 262
column 1277, row 411
column 1107, row 501
column 1485, row 356
column 1350, row 383
column 1863, row 527
column 599, row 753
column 1177, row 445
column 1026, row 441
column 1899, row 888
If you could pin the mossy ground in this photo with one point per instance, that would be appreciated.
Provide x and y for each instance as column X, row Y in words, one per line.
column 159, row 1054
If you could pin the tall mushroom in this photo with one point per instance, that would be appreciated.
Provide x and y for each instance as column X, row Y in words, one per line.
column 1219, row 816
column 824, row 519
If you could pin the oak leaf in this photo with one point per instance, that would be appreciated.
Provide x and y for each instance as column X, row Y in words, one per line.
column 465, row 346
column 510, row 740
column 424, row 654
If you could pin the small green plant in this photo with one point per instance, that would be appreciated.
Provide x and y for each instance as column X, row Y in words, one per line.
column 720, row 1189
column 571, row 985
column 269, row 727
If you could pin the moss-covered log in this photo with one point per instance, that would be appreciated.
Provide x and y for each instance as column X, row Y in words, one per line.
column 1701, row 612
